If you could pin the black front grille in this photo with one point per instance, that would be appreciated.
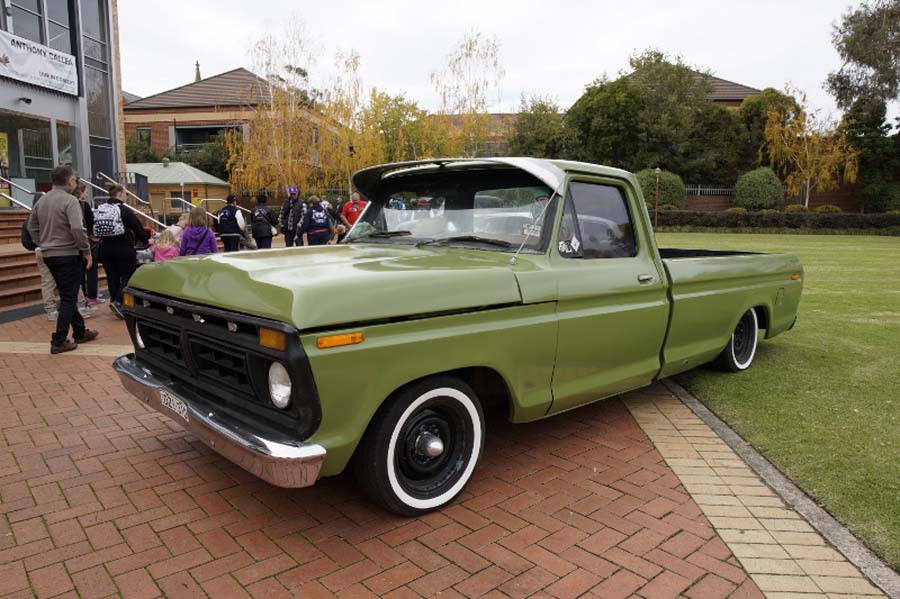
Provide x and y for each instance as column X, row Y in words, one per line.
column 221, row 365
column 162, row 341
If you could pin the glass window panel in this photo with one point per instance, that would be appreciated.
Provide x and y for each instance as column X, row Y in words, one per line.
column 94, row 49
column 604, row 226
column 64, row 142
column 58, row 10
column 27, row 25
column 92, row 19
column 97, row 91
column 32, row 5
column 59, row 38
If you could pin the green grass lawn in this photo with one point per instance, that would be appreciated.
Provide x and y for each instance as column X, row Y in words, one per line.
column 822, row 402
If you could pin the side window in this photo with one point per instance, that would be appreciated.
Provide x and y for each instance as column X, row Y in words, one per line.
column 604, row 228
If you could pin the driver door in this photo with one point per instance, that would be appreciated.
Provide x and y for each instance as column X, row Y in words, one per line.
column 612, row 306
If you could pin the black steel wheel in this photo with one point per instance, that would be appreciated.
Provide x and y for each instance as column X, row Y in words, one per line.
column 741, row 349
column 421, row 448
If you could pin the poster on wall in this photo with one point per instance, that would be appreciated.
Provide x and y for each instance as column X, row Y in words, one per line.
column 4, row 168
column 33, row 63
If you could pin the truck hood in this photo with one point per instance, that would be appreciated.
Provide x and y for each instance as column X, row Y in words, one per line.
column 332, row 285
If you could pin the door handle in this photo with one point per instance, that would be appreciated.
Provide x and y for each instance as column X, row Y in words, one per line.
column 644, row 279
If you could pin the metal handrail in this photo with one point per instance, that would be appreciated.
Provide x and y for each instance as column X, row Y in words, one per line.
column 247, row 210
column 15, row 201
column 132, row 208
column 186, row 203
column 16, row 185
column 125, row 187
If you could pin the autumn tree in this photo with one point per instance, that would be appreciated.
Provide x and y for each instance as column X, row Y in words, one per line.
column 868, row 41
column 468, row 87
column 277, row 150
column 539, row 130
column 810, row 150
column 754, row 112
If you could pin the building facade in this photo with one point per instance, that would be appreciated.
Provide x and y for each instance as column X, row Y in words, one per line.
column 60, row 90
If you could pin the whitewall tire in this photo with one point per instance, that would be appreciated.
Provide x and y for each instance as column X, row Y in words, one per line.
column 741, row 349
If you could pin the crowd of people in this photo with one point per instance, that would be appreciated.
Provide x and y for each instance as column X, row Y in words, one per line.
column 70, row 238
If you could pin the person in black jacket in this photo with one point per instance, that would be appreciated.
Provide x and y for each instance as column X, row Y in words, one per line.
column 291, row 214
column 118, row 228
column 262, row 223
column 89, row 285
column 230, row 224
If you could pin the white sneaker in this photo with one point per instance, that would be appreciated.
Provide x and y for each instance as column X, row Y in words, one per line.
column 86, row 312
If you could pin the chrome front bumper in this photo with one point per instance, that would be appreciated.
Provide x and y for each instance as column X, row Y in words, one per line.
column 283, row 465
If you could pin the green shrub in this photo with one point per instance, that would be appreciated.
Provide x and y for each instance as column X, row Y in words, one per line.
column 668, row 207
column 671, row 188
column 893, row 212
column 779, row 220
column 827, row 208
column 769, row 211
column 758, row 189
column 737, row 210
column 795, row 208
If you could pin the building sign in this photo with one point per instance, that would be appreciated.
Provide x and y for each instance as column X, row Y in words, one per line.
column 33, row 63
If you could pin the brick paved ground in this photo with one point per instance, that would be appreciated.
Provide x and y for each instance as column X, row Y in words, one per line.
column 100, row 496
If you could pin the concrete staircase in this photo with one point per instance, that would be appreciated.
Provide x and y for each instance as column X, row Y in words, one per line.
column 20, row 280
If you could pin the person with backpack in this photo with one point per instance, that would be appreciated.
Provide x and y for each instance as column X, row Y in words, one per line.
column 230, row 224
column 198, row 238
column 317, row 227
column 263, row 223
column 290, row 216
column 56, row 227
column 118, row 229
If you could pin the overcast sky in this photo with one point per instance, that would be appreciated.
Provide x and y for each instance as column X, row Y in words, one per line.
column 549, row 47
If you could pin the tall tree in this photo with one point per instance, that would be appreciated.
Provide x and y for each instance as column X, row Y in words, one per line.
column 811, row 150
column 878, row 184
column 468, row 87
column 674, row 103
column 539, row 130
column 714, row 149
column 868, row 40
column 605, row 124
column 754, row 112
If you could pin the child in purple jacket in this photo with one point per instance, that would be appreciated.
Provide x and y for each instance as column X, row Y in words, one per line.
column 197, row 237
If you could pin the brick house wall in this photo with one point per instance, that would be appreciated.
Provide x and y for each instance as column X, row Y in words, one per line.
column 843, row 198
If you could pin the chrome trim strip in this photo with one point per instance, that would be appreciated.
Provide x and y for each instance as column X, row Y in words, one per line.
column 280, row 464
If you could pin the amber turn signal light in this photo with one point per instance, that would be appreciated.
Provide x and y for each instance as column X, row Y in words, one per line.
column 795, row 276
column 273, row 339
column 340, row 340
column 128, row 300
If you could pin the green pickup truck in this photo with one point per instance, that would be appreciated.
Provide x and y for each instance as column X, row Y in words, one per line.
column 533, row 284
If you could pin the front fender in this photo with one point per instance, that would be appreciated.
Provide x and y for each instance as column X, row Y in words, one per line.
column 353, row 381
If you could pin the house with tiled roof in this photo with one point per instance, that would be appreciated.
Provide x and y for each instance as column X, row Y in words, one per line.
column 190, row 116
column 727, row 93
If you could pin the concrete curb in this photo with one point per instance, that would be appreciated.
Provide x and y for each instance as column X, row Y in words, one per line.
column 879, row 573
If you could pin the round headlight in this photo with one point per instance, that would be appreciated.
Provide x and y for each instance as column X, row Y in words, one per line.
column 137, row 337
column 279, row 385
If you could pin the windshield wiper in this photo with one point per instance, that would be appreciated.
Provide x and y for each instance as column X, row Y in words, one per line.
column 471, row 238
column 385, row 234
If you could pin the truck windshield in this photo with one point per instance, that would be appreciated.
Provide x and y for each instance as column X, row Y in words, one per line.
column 491, row 212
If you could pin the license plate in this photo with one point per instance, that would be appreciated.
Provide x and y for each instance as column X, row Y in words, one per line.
column 174, row 403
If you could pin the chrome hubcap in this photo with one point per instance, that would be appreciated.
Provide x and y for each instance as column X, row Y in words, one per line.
column 429, row 444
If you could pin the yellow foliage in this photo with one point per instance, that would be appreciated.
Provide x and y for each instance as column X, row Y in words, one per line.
column 811, row 151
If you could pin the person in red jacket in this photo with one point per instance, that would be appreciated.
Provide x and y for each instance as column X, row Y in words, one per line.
column 352, row 209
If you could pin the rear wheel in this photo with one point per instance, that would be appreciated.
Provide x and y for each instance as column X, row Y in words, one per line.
column 421, row 448
column 741, row 349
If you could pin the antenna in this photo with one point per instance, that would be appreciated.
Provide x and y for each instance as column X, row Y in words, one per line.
column 528, row 234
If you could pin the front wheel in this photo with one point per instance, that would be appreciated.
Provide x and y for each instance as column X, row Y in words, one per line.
column 421, row 448
column 741, row 349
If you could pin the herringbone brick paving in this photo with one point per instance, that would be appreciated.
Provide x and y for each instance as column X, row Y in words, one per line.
column 100, row 496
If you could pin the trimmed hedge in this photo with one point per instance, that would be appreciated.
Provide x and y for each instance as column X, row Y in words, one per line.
column 758, row 189
column 671, row 188
column 777, row 220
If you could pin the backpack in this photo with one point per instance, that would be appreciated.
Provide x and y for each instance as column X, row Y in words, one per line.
column 108, row 221
column 227, row 223
column 261, row 223
column 27, row 242
column 319, row 219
